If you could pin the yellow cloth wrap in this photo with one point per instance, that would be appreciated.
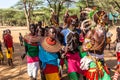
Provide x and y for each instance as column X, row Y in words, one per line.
column 92, row 70
column 52, row 76
column 1, row 55
column 9, row 55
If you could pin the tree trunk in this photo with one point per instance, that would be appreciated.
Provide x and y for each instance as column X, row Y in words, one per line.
column 59, row 9
column 28, row 22
column 117, row 4
column 87, row 3
column 1, row 20
column 26, row 14
column 1, row 23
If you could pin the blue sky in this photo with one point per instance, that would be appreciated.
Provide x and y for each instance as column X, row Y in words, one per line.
column 7, row 3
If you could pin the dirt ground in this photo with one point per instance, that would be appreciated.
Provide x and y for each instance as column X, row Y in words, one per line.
column 19, row 72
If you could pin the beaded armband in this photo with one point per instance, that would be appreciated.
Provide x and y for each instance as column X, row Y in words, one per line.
column 88, row 43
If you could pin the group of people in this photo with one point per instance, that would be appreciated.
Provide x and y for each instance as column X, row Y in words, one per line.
column 79, row 45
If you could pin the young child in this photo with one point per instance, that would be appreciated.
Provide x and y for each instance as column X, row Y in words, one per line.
column 21, row 39
column 1, row 54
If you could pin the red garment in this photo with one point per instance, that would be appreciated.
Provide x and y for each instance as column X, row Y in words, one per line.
column 61, row 62
column 118, row 56
column 81, row 38
column 93, row 75
column 8, row 40
column 51, row 69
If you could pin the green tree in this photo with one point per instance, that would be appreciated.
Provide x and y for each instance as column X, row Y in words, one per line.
column 29, row 6
column 58, row 5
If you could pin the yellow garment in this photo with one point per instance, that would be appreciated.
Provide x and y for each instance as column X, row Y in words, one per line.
column 1, row 55
column 9, row 55
column 52, row 76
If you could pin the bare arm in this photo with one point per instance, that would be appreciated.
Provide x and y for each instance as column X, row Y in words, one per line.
column 86, row 41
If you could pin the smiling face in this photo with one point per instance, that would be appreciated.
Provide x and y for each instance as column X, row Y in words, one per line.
column 52, row 33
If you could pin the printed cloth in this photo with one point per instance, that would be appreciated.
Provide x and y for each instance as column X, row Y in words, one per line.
column 93, row 66
column 118, row 57
column 65, row 32
column 96, row 55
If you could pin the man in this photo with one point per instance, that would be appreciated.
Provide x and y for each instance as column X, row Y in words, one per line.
column 71, row 43
column 49, row 46
column 94, row 45
column 8, row 40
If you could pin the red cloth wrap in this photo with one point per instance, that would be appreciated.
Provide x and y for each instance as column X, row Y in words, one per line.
column 50, row 69
column 118, row 56
column 8, row 40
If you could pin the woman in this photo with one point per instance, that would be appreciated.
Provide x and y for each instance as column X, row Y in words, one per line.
column 48, row 49
column 31, row 52
column 8, row 40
